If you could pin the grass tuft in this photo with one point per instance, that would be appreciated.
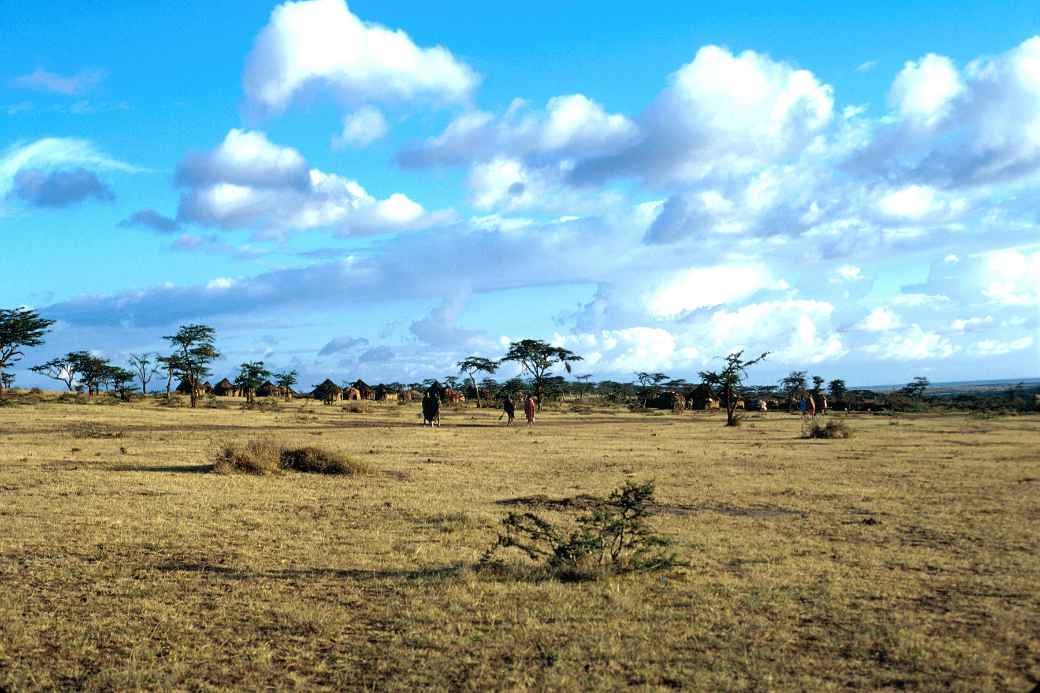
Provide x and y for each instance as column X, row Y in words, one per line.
column 262, row 456
column 834, row 428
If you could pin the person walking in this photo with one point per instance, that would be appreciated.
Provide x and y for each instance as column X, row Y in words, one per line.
column 530, row 407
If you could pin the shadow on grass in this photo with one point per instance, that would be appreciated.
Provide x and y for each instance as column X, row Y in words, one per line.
column 231, row 573
column 165, row 469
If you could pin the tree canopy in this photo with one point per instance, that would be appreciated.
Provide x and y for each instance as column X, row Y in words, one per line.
column 538, row 358
column 194, row 350
column 20, row 328
column 727, row 380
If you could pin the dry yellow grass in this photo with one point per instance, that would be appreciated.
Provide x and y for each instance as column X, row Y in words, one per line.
column 904, row 557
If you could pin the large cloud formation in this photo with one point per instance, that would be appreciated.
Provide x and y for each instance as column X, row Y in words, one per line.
column 742, row 208
column 249, row 182
column 320, row 46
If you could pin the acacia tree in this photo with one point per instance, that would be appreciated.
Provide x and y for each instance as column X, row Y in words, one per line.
column 794, row 385
column 121, row 381
column 837, row 389
column 93, row 372
column 193, row 352
column 6, row 381
column 63, row 368
column 285, row 380
column 538, row 358
column 583, row 385
column 817, row 384
column 19, row 328
column 727, row 381
column 251, row 376
column 169, row 365
column 915, row 389
column 146, row 365
column 649, row 384
column 476, row 364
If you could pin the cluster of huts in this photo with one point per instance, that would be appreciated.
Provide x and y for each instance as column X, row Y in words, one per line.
column 327, row 391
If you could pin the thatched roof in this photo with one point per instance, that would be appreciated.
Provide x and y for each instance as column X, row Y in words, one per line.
column 267, row 389
column 326, row 388
column 362, row 387
column 224, row 387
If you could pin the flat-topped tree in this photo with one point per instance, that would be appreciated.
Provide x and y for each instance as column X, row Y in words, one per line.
column 285, row 380
column 251, row 376
column 476, row 364
column 538, row 358
column 93, row 372
column 19, row 328
column 916, row 388
column 583, row 385
column 727, row 381
column 193, row 352
column 793, row 386
column 64, row 369
column 121, row 380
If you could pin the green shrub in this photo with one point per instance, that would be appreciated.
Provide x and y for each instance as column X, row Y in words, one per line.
column 834, row 428
column 612, row 538
column 266, row 456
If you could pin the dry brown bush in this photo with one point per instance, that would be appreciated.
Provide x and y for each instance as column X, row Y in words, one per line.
column 834, row 428
column 267, row 456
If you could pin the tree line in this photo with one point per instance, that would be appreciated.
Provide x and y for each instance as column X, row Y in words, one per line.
column 193, row 351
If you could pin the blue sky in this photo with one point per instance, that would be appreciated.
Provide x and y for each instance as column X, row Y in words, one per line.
column 382, row 189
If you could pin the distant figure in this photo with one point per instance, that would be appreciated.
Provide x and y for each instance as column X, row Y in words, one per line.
column 529, row 409
column 811, row 404
column 802, row 406
column 508, row 409
column 820, row 401
column 431, row 409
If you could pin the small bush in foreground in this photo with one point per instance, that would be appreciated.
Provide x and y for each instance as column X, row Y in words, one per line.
column 835, row 428
column 266, row 456
column 613, row 538
column 320, row 461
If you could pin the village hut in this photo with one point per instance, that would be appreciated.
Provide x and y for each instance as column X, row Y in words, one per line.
column 364, row 389
column 225, row 388
column 328, row 392
column 184, row 388
column 268, row 389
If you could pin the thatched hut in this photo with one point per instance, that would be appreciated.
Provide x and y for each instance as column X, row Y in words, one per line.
column 268, row 389
column 364, row 389
column 184, row 388
column 328, row 392
column 226, row 388
column 701, row 397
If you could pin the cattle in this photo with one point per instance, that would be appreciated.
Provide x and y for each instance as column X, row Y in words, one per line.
column 454, row 397
column 431, row 409
column 763, row 406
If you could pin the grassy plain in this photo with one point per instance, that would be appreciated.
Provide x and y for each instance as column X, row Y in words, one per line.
column 905, row 557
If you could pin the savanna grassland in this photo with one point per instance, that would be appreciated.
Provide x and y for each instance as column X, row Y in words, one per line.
column 907, row 556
